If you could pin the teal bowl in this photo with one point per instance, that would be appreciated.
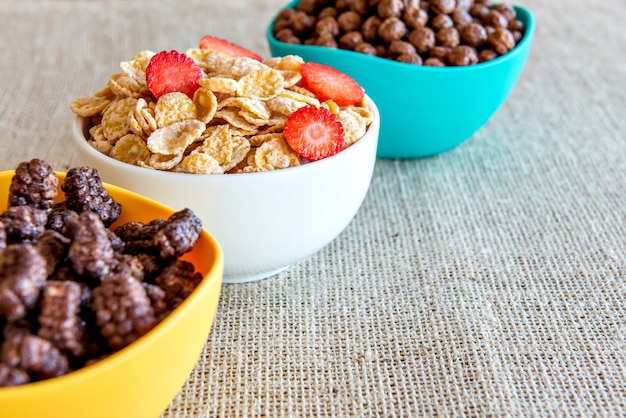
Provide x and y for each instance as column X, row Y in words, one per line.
column 424, row 110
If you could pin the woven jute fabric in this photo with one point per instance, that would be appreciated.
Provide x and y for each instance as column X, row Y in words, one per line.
column 488, row 281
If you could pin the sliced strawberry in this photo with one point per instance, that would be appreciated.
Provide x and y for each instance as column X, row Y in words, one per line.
column 314, row 133
column 222, row 45
column 172, row 71
column 329, row 83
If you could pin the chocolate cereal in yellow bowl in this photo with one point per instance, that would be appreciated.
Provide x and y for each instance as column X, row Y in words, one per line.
column 274, row 155
column 106, row 297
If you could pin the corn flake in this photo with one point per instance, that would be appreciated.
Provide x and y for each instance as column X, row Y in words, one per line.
column 130, row 149
column 219, row 84
column 275, row 154
column 218, row 143
column 365, row 113
column 254, row 106
column 175, row 138
column 200, row 163
column 260, row 139
column 274, row 125
column 174, row 107
column 288, row 101
column 105, row 93
column 263, row 83
column 141, row 120
column 211, row 62
column 97, row 133
column 206, row 104
column 237, row 67
column 354, row 126
column 162, row 162
column 289, row 66
column 285, row 63
column 115, row 123
column 234, row 118
column 240, row 150
column 89, row 106
column 102, row 146
column 125, row 86
column 136, row 67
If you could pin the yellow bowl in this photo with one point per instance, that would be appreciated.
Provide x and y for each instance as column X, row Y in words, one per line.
column 143, row 378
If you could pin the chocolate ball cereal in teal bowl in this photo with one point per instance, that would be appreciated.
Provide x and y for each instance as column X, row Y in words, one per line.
column 425, row 110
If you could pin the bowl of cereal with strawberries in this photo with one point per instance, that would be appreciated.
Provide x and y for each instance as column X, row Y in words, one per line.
column 437, row 69
column 274, row 155
column 106, row 297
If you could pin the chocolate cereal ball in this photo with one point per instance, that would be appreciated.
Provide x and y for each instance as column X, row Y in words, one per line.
column 390, row 8
column 415, row 17
column 501, row 40
column 463, row 55
column 392, row 29
column 350, row 40
column 473, row 34
column 349, row 21
column 442, row 6
column 370, row 28
column 366, row 48
column 423, row 39
column 448, row 37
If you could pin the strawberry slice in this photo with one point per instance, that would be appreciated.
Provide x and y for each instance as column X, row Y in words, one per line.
column 222, row 45
column 314, row 133
column 172, row 71
column 329, row 83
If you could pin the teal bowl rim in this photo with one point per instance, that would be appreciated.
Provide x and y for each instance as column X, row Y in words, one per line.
column 346, row 53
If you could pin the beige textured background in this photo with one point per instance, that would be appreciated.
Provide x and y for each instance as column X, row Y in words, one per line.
column 487, row 281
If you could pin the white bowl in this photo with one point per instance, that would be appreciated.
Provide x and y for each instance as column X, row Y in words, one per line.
column 264, row 221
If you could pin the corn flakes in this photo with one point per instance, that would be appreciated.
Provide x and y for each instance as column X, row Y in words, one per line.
column 233, row 124
column 219, row 84
column 174, row 107
column 123, row 85
column 115, row 121
column 264, row 83
column 175, row 138
column 233, row 117
column 97, row 133
column 253, row 106
column 162, row 162
column 210, row 61
column 89, row 106
column 238, row 67
column 275, row 154
column 206, row 104
column 142, row 121
column 241, row 148
column 354, row 126
column 200, row 163
column 218, row 143
column 130, row 149
column 136, row 67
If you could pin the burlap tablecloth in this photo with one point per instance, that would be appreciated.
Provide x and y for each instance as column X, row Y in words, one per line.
column 486, row 281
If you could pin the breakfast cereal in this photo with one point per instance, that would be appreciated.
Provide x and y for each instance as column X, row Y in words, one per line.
column 409, row 31
column 229, row 120
column 73, row 290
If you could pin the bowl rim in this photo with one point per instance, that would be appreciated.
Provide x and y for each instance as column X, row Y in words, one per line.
column 372, row 131
column 338, row 52
column 113, row 360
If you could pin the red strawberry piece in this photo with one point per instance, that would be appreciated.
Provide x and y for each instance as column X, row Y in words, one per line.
column 222, row 45
column 172, row 71
column 329, row 83
column 314, row 133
